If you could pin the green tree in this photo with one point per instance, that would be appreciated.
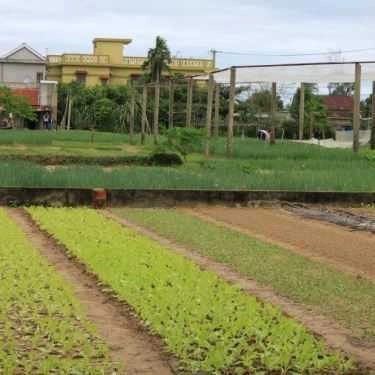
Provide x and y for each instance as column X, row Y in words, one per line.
column 341, row 89
column 17, row 105
column 158, row 59
column 104, row 108
column 366, row 110
column 316, row 114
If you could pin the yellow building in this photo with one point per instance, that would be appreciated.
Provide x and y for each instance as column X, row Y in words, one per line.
column 108, row 65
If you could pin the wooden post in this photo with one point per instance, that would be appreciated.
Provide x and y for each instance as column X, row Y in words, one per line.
column 273, row 113
column 156, row 111
column 144, row 115
column 301, row 111
column 63, row 120
column 312, row 123
column 217, row 110
column 69, row 113
column 357, row 107
column 232, row 96
column 132, row 117
column 189, row 104
column 171, row 105
column 210, row 98
column 372, row 141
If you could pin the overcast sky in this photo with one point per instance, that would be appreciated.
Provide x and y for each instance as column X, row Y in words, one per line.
column 193, row 27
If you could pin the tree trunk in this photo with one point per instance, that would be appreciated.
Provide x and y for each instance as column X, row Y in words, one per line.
column 312, row 121
column 171, row 105
column 69, row 113
column 132, row 117
column 189, row 104
column 63, row 120
column 157, row 109
column 144, row 115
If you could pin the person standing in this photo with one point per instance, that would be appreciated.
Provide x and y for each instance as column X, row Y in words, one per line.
column 46, row 120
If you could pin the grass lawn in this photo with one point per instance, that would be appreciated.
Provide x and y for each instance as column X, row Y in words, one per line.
column 345, row 298
column 285, row 166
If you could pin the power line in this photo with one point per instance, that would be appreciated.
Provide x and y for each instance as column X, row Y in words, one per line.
column 338, row 52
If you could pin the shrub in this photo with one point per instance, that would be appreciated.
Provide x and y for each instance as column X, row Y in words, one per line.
column 166, row 158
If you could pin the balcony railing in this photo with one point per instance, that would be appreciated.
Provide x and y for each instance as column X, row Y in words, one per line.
column 128, row 61
column 78, row 59
column 176, row 63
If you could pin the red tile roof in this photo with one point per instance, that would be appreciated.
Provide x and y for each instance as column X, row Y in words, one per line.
column 339, row 103
column 31, row 94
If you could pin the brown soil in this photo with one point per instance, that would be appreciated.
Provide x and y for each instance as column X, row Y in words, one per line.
column 336, row 337
column 344, row 249
column 129, row 344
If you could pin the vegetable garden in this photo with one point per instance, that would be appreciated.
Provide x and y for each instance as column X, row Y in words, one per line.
column 209, row 325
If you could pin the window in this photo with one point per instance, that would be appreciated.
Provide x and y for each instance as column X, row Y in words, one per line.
column 81, row 77
column 104, row 80
column 39, row 76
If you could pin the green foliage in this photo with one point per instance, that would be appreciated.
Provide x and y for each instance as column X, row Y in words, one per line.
column 42, row 326
column 369, row 154
column 341, row 89
column 183, row 140
column 18, row 105
column 212, row 326
column 338, row 295
column 315, row 111
column 104, row 108
column 158, row 59
column 164, row 157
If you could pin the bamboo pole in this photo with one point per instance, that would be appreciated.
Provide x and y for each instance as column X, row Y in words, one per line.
column 357, row 107
column 232, row 95
column 132, row 117
column 273, row 113
column 144, row 115
column 189, row 104
column 217, row 110
column 69, row 113
column 372, row 141
column 63, row 120
column 171, row 105
column 312, row 124
column 210, row 97
column 301, row 111
column 156, row 112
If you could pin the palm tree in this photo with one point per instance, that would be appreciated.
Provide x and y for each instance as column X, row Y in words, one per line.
column 158, row 60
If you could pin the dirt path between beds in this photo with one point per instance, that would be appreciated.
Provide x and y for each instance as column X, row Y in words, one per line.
column 337, row 337
column 128, row 342
column 346, row 250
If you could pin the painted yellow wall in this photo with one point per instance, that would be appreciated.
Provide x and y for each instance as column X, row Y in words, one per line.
column 116, row 69
column 114, row 48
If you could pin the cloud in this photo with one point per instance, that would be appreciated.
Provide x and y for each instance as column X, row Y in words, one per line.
column 192, row 27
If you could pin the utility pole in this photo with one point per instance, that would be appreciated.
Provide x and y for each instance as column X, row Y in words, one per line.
column 214, row 54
